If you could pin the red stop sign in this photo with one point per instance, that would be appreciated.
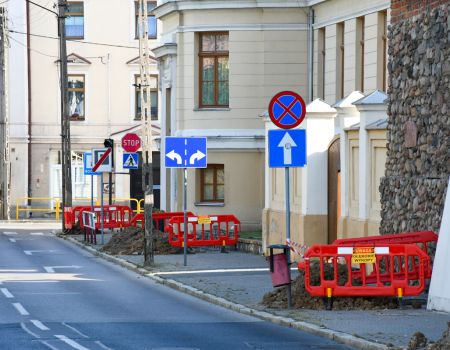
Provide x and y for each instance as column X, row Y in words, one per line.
column 131, row 143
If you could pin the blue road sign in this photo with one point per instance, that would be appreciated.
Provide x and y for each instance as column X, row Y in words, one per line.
column 287, row 109
column 185, row 152
column 130, row 160
column 87, row 162
column 287, row 148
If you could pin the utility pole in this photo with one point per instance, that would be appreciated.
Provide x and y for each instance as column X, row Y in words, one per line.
column 147, row 167
column 66, row 158
column 4, row 122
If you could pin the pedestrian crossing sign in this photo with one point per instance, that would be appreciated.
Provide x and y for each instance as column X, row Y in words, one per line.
column 130, row 161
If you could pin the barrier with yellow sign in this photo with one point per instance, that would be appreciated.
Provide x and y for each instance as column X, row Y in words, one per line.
column 204, row 219
column 363, row 255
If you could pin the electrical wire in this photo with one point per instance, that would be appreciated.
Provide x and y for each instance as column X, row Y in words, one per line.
column 34, row 50
column 77, row 41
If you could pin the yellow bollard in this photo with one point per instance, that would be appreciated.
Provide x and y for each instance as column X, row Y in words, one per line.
column 57, row 208
column 329, row 305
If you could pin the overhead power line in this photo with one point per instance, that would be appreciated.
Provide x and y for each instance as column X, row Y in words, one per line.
column 76, row 41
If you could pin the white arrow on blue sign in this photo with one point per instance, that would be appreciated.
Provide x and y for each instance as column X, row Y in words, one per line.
column 287, row 148
column 185, row 152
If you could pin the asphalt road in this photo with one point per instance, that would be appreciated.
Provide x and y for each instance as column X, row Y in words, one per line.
column 54, row 295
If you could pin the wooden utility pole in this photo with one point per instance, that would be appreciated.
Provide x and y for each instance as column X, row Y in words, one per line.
column 66, row 158
column 4, row 125
column 147, row 167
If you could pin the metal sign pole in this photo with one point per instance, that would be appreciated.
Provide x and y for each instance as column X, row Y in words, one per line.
column 185, row 217
column 101, row 212
column 288, row 231
column 92, row 192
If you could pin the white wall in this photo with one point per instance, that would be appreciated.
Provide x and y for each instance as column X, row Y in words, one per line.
column 439, row 295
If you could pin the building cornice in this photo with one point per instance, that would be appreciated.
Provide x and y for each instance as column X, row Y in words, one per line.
column 171, row 6
column 165, row 50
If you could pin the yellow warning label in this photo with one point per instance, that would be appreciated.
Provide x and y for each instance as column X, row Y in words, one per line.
column 363, row 250
column 204, row 220
column 365, row 258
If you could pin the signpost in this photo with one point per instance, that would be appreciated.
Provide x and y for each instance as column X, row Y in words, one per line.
column 287, row 148
column 87, row 162
column 102, row 160
column 182, row 152
column 131, row 142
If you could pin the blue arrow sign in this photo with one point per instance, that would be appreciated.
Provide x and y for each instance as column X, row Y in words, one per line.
column 287, row 148
column 185, row 152
column 87, row 163
column 130, row 160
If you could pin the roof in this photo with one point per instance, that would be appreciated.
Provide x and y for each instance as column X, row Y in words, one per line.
column 348, row 100
column 375, row 98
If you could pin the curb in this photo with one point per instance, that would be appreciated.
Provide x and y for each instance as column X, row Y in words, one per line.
column 340, row 337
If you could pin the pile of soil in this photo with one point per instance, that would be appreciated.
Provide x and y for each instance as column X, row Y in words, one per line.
column 131, row 241
column 420, row 341
column 302, row 299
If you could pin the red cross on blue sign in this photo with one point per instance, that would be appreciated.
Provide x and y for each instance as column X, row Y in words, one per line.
column 287, row 109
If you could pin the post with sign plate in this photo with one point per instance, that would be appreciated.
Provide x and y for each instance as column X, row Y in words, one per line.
column 185, row 153
column 287, row 148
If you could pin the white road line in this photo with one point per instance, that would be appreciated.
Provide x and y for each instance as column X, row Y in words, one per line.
column 48, row 345
column 10, row 233
column 24, row 327
column 103, row 346
column 6, row 293
column 75, row 330
column 20, row 309
column 37, row 233
column 40, row 325
column 30, row 252
column 71, row 342
column 51, row 269
column 13, row 240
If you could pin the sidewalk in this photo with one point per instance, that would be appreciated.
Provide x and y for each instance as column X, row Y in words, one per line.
column 239, row 280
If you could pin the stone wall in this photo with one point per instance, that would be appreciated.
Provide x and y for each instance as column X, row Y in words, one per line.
column 418, row 162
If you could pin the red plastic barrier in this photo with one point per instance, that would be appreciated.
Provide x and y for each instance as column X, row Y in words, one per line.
column 398, row 270
column 160, row 219
column 212, row 230
column 69, row 218
column 114, row 216
column 423, row 239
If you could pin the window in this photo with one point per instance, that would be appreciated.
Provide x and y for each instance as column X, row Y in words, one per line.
column 212, row 183
column 151, row 19
column 74, row 21
column 76, row 98
column 213, row 58
column 153, row 97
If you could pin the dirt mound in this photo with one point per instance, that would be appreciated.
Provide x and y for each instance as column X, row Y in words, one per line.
column 131, row 241
column 419, row 341
column 302, row 299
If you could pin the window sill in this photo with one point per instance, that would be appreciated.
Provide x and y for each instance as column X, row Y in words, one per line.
column 209, row 204
column 208, row 109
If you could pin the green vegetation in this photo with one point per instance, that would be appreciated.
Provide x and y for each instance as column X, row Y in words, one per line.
column 251, row 235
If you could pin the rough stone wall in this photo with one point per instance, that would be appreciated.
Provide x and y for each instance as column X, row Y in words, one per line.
column 418, row 162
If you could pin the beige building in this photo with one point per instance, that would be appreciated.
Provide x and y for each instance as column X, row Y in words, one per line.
column 327, row 51
column 103, row 65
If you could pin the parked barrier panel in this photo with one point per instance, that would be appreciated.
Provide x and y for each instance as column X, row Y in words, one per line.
column 114, row 216
column 394, row 270
column 160, row 219
column 213, row 230
column 425, row 240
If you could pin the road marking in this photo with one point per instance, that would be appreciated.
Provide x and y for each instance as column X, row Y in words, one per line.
column 13, row 240
column 75, row 330
column 20, row 309
column 30, row 252
column 37, row 233
column 48, row 345
column 10, row 233
column 71, row 342
column 42, row 276
column 6, row 293
column 24, row 327
column 40, row 325
column 103, row 346
column 51, row 269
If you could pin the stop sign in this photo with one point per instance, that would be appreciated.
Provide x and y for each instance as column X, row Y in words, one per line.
column 131, row 143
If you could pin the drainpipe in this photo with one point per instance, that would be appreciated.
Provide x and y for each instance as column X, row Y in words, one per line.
column 310, row 54
column 29, row 98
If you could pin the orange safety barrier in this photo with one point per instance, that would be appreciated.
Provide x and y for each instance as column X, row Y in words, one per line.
column 380, row 270
column 212, row 230
column 114, row 216
column 424, row 240
column 160, row 219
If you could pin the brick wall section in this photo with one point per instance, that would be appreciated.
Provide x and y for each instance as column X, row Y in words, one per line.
column 418, row 158
column 403, row 9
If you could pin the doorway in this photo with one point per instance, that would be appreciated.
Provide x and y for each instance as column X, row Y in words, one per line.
column 334, row 189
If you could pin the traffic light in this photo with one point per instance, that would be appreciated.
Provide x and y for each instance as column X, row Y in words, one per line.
column 109, row 143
